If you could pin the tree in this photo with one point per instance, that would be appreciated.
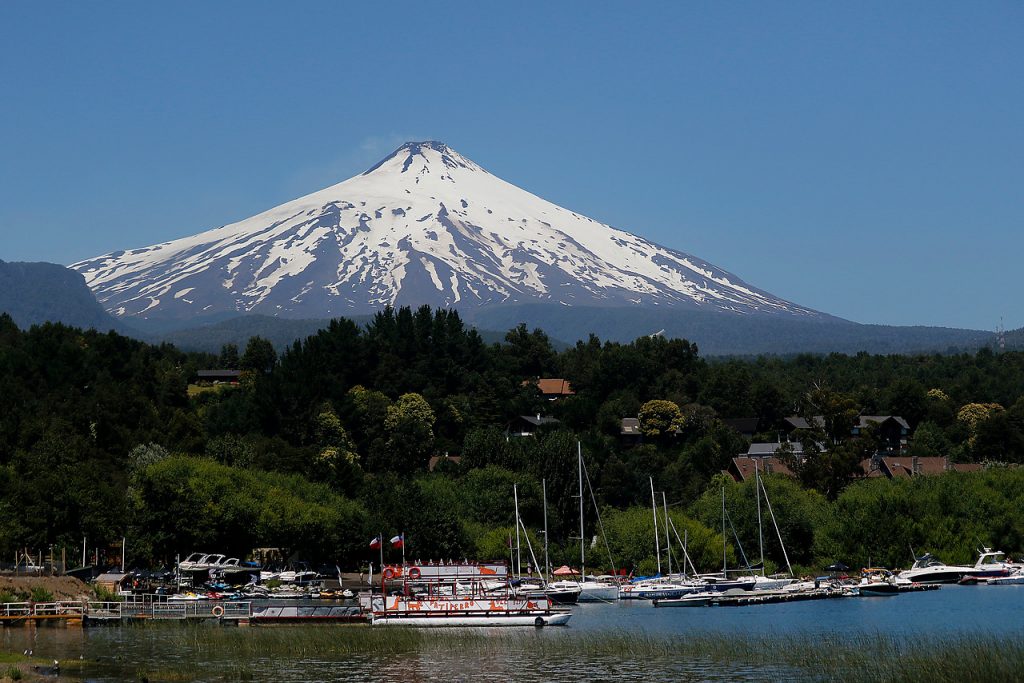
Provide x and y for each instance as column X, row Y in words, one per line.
column 259, row 356
column 410, row 432
column 229, row 356
column 660, row 418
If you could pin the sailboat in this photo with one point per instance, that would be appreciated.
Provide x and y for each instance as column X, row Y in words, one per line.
column 762, row 582
column 591, row 589
column 661, row 587
column 541, row 588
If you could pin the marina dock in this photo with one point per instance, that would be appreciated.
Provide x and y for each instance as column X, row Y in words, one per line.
column 236, row 612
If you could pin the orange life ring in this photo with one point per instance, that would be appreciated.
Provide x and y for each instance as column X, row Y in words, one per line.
column 389, row 573
column 414, row 573
column 217, row 611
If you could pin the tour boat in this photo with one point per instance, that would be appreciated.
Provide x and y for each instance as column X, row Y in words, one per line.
column 440, row 599
column 928, row 569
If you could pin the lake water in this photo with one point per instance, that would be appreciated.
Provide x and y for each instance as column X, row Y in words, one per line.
column 179, row 652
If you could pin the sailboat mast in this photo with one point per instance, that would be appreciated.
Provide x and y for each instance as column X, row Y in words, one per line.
column 579, row 456
column 760, row 535
column 668, row 542
column 777, row 532
column 724, row 574
column 654, row 513
column 519, row 561
column 547, row 564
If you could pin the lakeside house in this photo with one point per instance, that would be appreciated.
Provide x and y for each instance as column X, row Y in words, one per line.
column 910, row 466
column 552, row 388
column 892, row 430
column 763, row 459
column 527, row 425
column 223, row 376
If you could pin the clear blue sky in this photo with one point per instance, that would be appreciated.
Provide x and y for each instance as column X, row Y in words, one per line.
column 865, row 159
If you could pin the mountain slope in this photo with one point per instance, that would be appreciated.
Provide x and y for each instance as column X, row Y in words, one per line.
column 35, row 293
column 424, row 226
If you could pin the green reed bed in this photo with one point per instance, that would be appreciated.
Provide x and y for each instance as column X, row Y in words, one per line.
column 856, row 657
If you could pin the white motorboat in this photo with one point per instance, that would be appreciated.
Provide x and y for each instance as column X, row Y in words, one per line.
column 878, row 583
column 1014, row 579
column 993, row 563
column 193, row 561
column 702, row 599
column 929, row 569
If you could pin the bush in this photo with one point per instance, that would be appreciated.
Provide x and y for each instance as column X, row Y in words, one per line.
column 40, row 594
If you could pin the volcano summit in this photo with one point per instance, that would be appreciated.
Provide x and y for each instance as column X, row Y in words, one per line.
column 424, row 226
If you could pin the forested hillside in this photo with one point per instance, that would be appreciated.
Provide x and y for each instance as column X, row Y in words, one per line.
column 327, row 445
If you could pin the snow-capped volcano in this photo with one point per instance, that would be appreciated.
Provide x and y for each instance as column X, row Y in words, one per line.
column 424, row 226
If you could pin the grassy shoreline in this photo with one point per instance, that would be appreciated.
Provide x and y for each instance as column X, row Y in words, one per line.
column 231, row 654
column 234, row 654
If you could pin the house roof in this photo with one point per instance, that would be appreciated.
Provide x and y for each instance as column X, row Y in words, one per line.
column 863, row 420
column 111, row 577
column 435, row 459
column 555, row 387
column 771, row 447
column 908, row 466
column 744, row 467
column 218, row 374
column 538, row 420
column 967, row 467
column 630, row 427
column 798, row 422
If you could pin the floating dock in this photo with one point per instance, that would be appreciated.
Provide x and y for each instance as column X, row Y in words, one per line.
column 235, row 612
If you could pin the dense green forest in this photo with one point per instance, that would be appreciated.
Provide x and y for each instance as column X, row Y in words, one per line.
column 327, row 445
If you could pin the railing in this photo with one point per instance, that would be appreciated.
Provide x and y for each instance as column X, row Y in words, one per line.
column 127, row 610
column 16, row 609
column 54, row 609
column 104, row 610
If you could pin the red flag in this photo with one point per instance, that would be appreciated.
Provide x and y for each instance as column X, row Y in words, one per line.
column 398, row 541
column 375, row 543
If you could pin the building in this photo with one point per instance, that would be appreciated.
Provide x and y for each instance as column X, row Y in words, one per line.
column 218, row 376
column 893, row 467
column 892, row 430
column 554, row 388
column 742, row 468
column 629, row 432
column 527, row 425
column 744, row 426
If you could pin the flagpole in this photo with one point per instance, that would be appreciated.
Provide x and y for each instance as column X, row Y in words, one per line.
column 403, row 548
column 381, row 537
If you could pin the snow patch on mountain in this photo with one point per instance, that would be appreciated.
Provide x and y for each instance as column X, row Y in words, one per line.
column 426, row 225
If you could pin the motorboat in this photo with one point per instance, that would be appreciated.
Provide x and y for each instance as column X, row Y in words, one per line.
column 929, row 569
column 193, row 561
column 702, row 599
column 1014, row 579
column 993, row 563
column 878, row 583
